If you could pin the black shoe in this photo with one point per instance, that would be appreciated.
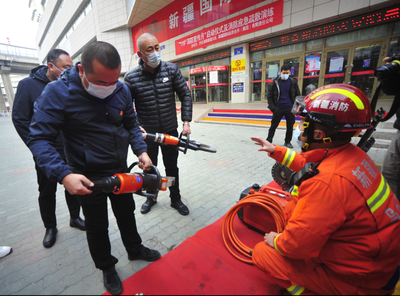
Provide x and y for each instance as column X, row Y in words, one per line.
column 78, row 223
column 111, row 281
column 146, row 254
column 50, row 237
column 146, row 207
column 182, row 209
column 269, row 140
column 288, row 145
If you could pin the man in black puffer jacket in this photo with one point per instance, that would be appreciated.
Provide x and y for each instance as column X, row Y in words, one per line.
column 153, row 84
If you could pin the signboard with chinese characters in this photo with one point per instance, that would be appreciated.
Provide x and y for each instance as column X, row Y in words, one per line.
column 238, row 65
column 237, row 87
column 238, row 50
column 238, row 76
column 254, row 20
column 183, row 16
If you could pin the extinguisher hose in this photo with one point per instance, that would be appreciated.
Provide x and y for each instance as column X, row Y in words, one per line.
column 263, row 200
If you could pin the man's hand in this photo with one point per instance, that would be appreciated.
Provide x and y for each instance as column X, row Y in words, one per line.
column 186, row 129
column 143, row 131
column 144, row 161
column 73, row 183
column 269, row 238
column 265, row 145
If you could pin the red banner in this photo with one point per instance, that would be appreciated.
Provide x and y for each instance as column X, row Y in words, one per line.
column 183, row 16
column 257, row 19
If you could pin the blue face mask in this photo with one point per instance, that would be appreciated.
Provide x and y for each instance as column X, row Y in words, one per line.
column 296, row 134
column 284, row 76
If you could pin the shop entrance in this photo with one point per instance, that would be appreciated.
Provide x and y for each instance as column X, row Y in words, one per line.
column 264, row 72
column 354, row 65
column 210, row 84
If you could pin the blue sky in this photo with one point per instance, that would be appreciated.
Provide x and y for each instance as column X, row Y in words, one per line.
column 16, row 24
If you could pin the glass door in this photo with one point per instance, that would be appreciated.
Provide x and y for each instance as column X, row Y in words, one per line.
column 311, row 72
column 272, row 70
column 365, row 61
column 218, row 84
column 256, row 80
column 198, row 86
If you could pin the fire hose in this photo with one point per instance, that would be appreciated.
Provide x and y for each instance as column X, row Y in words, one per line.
column 265, row 200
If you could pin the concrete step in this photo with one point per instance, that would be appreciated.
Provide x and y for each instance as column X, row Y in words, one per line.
column 384, row 134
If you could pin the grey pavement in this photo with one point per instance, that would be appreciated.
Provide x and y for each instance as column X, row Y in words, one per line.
column 210, row 185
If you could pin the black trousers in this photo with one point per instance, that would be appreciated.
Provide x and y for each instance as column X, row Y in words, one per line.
column 276, row 119
column 170, row 160
column 47, row 200
column 94, row 207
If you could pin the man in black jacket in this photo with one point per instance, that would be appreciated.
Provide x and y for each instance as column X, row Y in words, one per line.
column 29, row 89
column 94, row 111
column 281, row 95
column 153, row 85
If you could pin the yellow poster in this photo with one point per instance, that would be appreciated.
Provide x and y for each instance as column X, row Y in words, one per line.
column 238, row 65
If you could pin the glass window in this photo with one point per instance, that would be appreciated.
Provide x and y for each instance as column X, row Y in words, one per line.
column 205, row 64
column 394, row 46
column 360, row 35
column 256, row 71
column 314, row 44
column 294, row 66
column 396, row 28
column 284, row 50
column 221, row 62
column 257, row 55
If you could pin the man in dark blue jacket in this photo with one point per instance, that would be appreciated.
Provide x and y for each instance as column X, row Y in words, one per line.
column 153, row 85
column 29, row 89
column 94, row 111
column 281, row 95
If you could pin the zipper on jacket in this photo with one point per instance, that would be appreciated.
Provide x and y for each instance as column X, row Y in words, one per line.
column 279, row 90
column 158, row 107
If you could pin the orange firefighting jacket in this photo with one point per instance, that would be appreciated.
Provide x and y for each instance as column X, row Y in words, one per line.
column 346, row 217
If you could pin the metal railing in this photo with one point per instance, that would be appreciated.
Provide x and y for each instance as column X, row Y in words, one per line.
column 13, row 50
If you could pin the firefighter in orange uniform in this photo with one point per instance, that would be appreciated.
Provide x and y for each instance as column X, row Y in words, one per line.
column 343, row 235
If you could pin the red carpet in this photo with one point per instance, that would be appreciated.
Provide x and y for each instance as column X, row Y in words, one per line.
column 201, row 265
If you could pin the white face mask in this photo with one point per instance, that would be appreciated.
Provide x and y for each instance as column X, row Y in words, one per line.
column 153, row 59
column 296, row 134
column 284, row 76
column 57, row 69
column 99, row 91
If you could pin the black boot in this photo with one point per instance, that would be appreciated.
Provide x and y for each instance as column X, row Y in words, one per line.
column 146, row 207
column 180, row 206
column 78, row 223
column 112, row 281
column 50, row 237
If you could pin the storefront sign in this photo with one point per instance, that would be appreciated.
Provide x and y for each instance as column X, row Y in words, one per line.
column 197, row 70
column 361, row 21
column 183, row 16
column 218, row 68
column 257, row 19
column 205, row 58
column 238, row 50
column 238, row 65
column 238, row 87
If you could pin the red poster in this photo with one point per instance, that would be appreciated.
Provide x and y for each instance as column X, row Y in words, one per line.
column 257, row 19
column 183, row 16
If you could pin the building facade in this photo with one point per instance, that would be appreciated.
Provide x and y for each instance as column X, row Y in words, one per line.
column 229, row 50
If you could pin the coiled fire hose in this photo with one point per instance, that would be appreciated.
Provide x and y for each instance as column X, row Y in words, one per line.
column 264, row 200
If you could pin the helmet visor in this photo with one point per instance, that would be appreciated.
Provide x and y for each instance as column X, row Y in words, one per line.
column 299, row 107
